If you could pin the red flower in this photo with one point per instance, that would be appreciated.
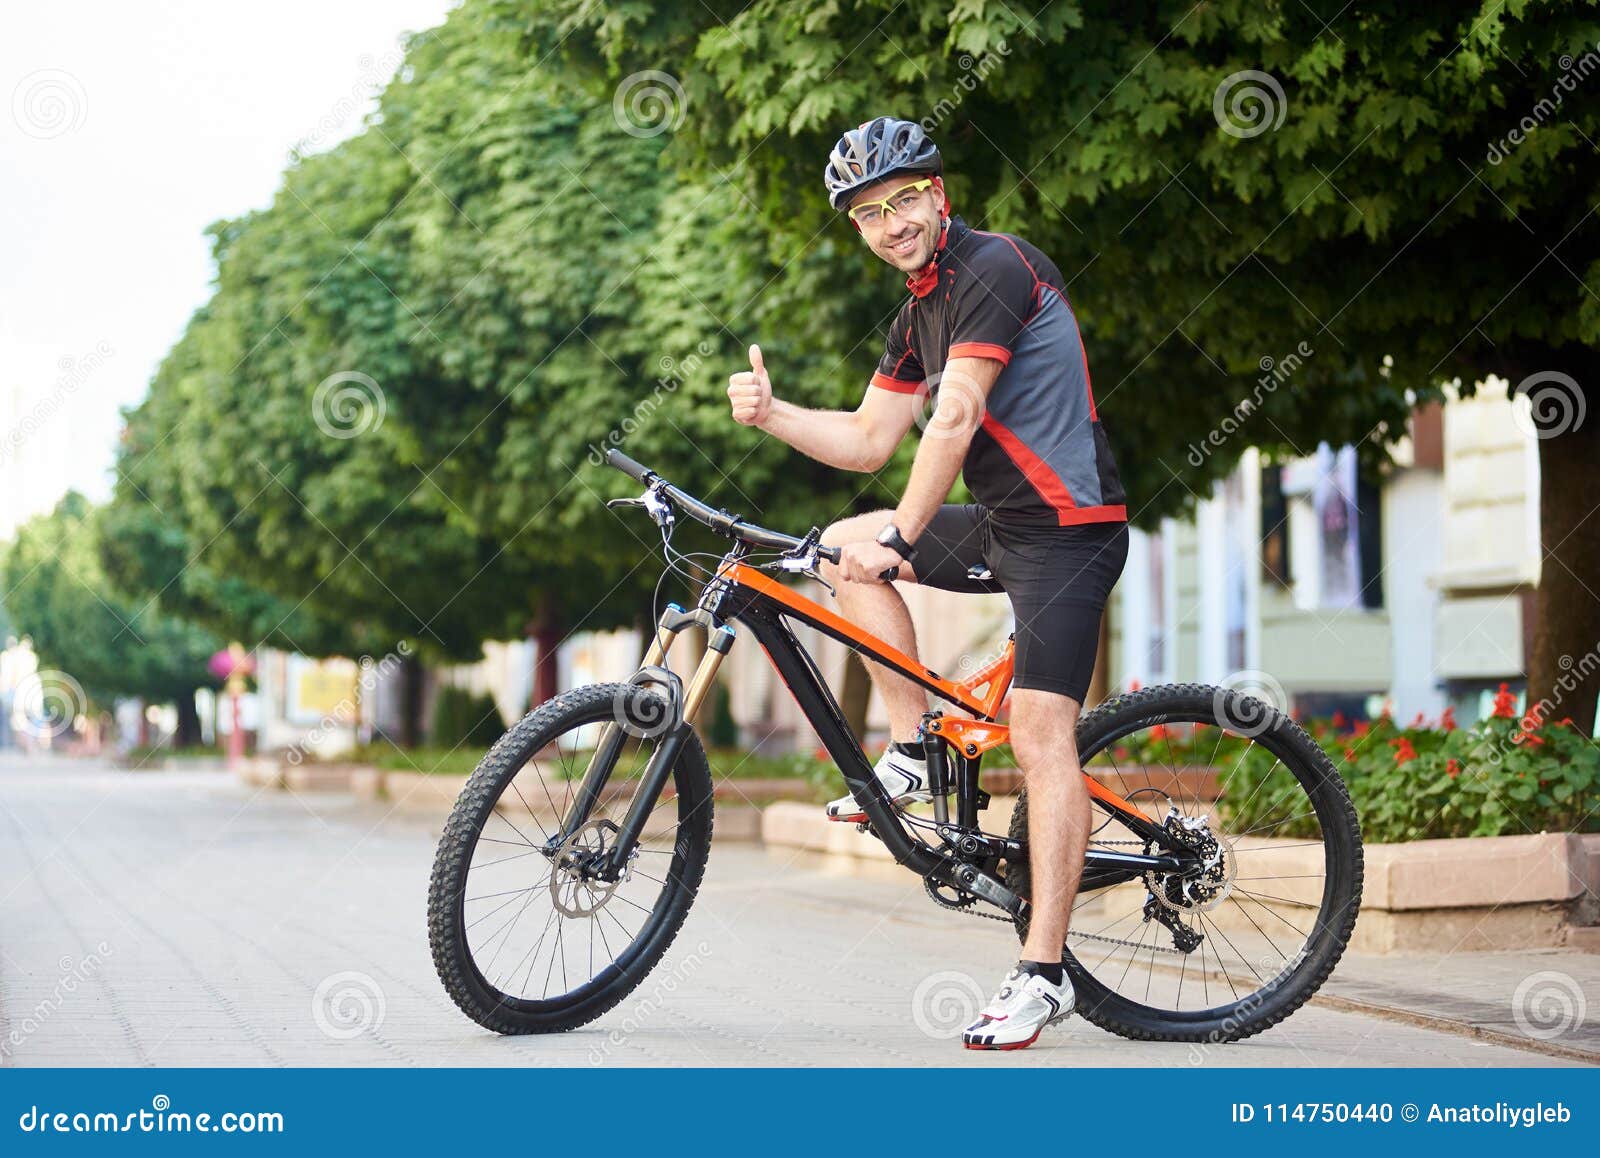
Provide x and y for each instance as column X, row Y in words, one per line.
column 1135, row 685
column 1361, row 729
column 1453, row 767
column 1158, row 732
column 1505, row 704
column 1565, row 722
column 1448, row 720
column 1338, row 719
column 1349, row 755
column 1420, row 722
column 1403, row 751
column 1528, row 727
column 1120, row 752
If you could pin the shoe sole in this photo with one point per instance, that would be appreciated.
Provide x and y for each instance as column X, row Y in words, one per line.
column 899, row 801
column 1056, row 1020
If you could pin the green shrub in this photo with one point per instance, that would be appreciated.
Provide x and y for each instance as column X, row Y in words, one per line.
column 464, row 718
column 1503, row 776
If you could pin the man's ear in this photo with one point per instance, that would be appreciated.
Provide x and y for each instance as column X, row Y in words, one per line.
column 942, row 202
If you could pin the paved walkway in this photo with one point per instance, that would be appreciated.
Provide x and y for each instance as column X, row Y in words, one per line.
column 178, row 918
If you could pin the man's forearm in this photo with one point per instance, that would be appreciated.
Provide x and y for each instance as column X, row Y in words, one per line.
column 834, row 437
column 934, row 472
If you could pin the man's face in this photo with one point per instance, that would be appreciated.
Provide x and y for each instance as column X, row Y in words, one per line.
column 907, row 238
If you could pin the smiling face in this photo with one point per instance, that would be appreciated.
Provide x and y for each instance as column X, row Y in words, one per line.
column 907, row 238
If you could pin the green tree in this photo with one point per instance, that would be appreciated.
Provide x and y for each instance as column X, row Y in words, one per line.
column 1220, row 184
column 82, row 626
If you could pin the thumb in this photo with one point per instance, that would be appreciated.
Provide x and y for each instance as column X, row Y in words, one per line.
column 756, row 363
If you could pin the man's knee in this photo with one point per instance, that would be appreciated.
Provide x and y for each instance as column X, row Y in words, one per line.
column 1043, row 727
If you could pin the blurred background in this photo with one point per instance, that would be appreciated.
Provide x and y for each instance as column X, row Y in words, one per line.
column 317, row 321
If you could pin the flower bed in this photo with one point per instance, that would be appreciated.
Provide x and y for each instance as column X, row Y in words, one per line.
column 1505, row 775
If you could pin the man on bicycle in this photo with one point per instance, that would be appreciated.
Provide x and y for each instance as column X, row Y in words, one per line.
column 989, row 335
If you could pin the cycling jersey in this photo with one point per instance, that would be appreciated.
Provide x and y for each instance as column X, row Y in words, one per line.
column 1040, row 455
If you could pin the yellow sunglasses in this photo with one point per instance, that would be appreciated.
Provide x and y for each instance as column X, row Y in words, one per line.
column 903, row 198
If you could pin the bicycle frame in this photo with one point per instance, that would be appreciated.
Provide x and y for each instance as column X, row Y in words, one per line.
column 742, row 593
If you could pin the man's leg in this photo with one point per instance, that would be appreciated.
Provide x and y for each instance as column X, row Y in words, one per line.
column 1044, row 739
column 880, row 609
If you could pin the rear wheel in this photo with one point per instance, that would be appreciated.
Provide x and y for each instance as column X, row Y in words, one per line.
column 525, row 939
column 1227, row 953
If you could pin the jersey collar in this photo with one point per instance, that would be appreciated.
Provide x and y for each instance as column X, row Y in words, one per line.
column 923, row 282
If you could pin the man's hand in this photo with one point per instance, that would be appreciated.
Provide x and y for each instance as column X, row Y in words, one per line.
column 750, row 392
column 866, row 562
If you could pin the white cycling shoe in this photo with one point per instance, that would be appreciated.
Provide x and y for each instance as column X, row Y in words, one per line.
column 903, row 778
column 1025, row 1004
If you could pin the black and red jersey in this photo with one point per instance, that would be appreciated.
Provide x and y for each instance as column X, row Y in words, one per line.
column 1040, row 455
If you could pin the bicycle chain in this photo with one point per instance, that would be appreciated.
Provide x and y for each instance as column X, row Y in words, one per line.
column 1070, row 932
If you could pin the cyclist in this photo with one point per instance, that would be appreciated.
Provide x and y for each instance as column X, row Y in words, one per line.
column 989, row 337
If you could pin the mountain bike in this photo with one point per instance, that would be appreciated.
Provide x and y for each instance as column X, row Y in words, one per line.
column 1219, row 889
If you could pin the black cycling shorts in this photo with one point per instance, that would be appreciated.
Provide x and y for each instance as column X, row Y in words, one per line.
column 1057, row 578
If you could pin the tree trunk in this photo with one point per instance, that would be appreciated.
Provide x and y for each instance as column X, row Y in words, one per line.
column 1100, row 680
column 1564, row 667
column 144, row 724
column 189, row 735
column 411, row 680
column 855, row 696
column 546, row 667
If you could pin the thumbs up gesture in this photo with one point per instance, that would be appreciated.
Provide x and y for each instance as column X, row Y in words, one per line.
column 750, row 392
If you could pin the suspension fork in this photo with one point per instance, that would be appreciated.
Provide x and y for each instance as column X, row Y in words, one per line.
column 665, row 757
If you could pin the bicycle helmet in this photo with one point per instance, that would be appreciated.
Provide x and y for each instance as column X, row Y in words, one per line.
column 877, row 149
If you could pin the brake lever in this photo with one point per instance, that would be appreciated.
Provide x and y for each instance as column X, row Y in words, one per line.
column 659, row 509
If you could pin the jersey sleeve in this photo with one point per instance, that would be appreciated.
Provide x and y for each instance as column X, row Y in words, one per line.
column 991, row 306
column 898, row 369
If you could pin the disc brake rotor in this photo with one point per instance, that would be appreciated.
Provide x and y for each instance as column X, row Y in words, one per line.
column 574, row 890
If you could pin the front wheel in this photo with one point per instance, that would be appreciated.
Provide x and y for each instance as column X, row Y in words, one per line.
column 524, row 939
column 1222, row 954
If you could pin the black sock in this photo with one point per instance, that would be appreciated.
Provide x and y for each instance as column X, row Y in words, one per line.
column 913, row 750
column 1051, row 973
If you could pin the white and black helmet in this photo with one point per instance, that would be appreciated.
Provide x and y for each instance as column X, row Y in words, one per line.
column 878, row 149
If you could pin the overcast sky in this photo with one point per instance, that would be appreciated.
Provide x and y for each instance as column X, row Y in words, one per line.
column 126, row 130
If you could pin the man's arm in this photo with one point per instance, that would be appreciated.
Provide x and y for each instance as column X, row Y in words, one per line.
column 963, row 394
column 861, row 440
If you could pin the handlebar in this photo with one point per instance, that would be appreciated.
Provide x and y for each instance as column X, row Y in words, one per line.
column 728, row 525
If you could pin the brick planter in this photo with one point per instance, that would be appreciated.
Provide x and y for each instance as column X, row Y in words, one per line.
column 1470, row 894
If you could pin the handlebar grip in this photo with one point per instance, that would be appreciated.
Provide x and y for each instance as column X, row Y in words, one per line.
column 831, row 554
column 627, row 466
